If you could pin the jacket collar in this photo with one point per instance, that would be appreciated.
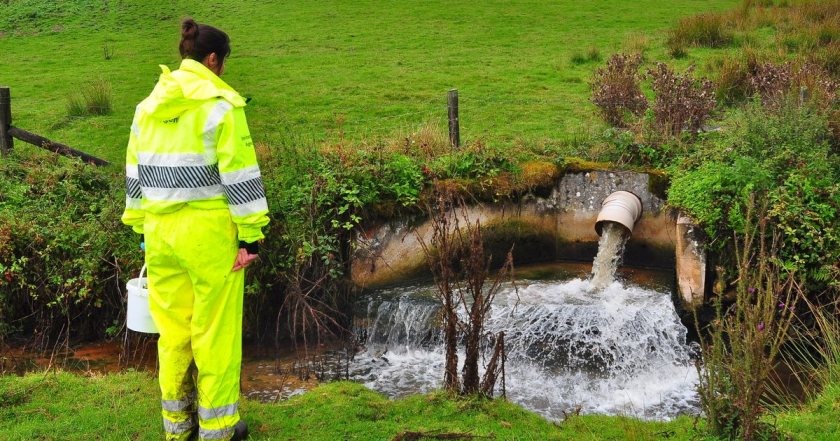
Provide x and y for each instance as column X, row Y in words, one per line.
column 208, row 84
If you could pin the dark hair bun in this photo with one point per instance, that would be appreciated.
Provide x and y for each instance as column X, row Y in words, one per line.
column 200, row 40
column 189, row 29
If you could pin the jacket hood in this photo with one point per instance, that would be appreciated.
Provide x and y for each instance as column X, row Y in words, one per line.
column 187, row 88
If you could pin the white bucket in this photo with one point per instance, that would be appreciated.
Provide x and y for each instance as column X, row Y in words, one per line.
column 138, row 317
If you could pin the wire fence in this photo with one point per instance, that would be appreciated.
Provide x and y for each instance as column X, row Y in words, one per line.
column 482, row 117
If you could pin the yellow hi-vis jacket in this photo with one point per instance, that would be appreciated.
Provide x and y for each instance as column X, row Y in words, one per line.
column 190, row 145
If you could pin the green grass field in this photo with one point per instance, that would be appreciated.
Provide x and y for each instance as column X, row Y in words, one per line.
column 365, row 69
column 64, row 406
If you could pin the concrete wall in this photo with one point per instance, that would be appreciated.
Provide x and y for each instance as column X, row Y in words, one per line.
column 560, row 226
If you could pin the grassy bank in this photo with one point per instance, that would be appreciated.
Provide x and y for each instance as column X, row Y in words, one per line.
column 52, row 406
column 124, row 406
column 334, row 69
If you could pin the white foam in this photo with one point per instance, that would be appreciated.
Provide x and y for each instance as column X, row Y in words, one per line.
column 620, row 350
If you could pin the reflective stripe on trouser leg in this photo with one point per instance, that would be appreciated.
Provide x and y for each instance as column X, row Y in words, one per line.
column 204, row 243
column 171, row 304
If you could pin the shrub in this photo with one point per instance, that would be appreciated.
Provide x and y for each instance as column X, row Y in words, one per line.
column 709, row 30
column 806, row 209
column 786, row 154
column 616, row 89
column 64, row 254
column 715, row 193
column 682, row 103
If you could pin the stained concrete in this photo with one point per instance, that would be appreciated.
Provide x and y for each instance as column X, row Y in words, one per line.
column 557, row 227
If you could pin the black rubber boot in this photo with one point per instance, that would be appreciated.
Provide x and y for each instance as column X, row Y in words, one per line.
column 240, row 431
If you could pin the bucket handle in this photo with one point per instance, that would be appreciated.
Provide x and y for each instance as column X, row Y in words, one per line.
column 140, row 277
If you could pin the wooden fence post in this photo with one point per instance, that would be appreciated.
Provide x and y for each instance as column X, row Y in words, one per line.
column 6, row 142
column 454, row 124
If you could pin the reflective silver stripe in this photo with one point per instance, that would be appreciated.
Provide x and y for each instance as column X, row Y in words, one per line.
column 179, row 177
column 177, row 428
column 132, row 188
column 254, row 207
column 182, row 194
column 218, row 412
column 133, row 204
column 176, row 405
column 245, row 192
column 241, row 175
column 215, row 434
column 131, row 171
column 212, row 125
column 173, row 159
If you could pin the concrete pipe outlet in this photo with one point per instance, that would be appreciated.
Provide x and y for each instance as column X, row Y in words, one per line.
column 621, row 207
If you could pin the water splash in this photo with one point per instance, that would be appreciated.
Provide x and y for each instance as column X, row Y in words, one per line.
column 610, row 249
column 620, row 351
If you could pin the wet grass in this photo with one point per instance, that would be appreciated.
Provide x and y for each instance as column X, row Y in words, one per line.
column 353, row 69
column 65, row 406
column 125, row 406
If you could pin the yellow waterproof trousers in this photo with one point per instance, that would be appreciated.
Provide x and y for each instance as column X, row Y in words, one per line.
column 196, row 303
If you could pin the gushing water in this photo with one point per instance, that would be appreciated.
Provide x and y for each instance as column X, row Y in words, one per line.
column 610, row 249
column 618, row 350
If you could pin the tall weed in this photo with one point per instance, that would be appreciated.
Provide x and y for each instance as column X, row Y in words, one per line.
column 732, row 84
column 709, row 30
column 636, row 44
column 95, row 98
column 745, row 338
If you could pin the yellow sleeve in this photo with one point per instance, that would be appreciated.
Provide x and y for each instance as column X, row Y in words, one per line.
column 241, row 176
column 133, row 215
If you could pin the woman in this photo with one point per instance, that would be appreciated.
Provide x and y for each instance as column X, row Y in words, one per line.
column 194, row 192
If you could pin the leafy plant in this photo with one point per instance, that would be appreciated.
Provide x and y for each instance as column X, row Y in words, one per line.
column 786, row 154
column 806, row 209
column 63, row 250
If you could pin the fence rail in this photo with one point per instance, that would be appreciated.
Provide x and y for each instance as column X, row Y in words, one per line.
column 9, row 133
